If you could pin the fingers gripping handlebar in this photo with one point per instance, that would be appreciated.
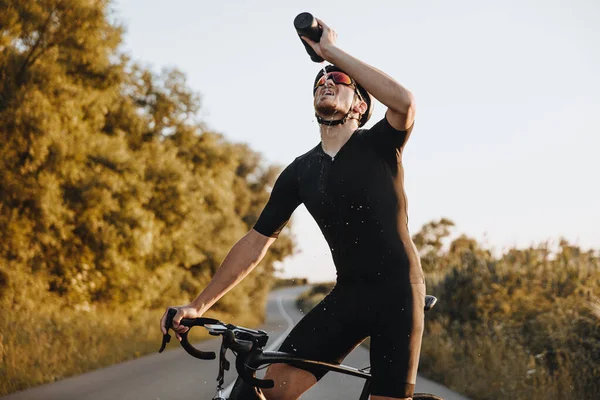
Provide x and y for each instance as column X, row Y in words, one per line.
column 189, row 322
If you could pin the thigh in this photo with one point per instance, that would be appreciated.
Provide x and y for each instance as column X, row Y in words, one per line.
column 396, row 342
column 330, row 331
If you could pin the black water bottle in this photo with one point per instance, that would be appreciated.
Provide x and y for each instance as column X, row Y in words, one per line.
column 307, row 25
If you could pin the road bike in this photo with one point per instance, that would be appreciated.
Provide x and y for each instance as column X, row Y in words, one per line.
column 248, row 347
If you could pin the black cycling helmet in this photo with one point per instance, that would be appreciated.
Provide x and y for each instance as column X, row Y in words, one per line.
column 366, row 96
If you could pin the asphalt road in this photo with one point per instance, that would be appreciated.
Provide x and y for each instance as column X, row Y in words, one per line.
column 174, row 375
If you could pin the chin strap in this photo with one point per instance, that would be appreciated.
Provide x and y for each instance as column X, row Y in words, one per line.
column 334, row 122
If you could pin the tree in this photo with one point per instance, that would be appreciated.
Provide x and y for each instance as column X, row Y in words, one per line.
column 110, row 190
column 430, row 242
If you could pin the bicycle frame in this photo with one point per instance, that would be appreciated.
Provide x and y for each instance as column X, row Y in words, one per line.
column 256, row 359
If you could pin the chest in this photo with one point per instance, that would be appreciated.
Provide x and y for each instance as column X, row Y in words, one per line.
column 354, row 181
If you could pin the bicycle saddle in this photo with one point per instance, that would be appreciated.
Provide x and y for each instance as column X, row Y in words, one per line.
column 430, row 302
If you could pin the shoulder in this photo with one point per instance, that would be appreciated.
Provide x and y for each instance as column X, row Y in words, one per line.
column 312, row 152
column 309, row 158
column 293, row 170
column 384, row 135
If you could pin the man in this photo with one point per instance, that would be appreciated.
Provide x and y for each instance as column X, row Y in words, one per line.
column 352, row 184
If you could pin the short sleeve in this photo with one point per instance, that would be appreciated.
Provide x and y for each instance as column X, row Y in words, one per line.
column 386, row 136
column 283, row 201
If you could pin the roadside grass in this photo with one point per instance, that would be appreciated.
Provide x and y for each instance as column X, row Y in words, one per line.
column 37, row 348
column 491, row 365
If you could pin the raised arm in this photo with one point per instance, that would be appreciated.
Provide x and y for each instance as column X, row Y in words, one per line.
column 399, row 100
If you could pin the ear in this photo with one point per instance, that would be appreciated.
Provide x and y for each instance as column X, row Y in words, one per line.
column 360, row 107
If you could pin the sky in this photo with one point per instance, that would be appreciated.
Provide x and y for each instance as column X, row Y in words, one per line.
column 507, row 131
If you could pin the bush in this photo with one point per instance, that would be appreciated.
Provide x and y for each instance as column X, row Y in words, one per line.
column 525, row 324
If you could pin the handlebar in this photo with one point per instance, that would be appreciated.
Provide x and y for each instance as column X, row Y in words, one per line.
column 241, row 340
column 189, row 322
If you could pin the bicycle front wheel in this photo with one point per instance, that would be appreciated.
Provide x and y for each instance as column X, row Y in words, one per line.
column 426, row 396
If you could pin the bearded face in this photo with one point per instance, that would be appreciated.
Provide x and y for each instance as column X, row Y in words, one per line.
column 331, row 99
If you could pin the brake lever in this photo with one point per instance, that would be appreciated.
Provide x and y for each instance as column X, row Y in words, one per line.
column 166, row 339
column 168, row 325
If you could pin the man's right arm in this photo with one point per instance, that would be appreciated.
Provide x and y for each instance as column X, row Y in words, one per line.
column 241, row 259
column 250, row 249
column 247, row 252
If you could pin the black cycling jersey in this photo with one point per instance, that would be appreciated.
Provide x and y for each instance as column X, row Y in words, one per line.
column 357, row 198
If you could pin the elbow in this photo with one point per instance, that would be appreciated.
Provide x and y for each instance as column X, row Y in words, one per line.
column 405, row 103
column 409, row 104
column 411, row 109
column 258, row 244
column 403, row 114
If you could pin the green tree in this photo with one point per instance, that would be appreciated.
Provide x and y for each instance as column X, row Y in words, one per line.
column 110, row 190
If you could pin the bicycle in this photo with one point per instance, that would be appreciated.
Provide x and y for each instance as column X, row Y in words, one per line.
column 247, row 346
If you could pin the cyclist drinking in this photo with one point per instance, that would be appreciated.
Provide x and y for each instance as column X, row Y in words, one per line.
column 352, row 183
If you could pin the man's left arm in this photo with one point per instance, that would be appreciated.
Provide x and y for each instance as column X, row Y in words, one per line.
column 399, row 100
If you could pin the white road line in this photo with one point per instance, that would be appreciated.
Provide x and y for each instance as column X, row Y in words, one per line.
column 276, row 342
column 289, row 321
